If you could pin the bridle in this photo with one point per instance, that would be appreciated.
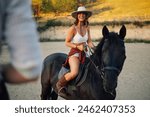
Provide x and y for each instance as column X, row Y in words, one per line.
column 102, row 67
column 112, row 68
column 100, row 70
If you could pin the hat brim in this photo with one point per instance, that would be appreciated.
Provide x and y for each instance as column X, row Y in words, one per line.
column 75, row 13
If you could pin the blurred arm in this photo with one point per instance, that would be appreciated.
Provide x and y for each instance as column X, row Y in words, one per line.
column 22, row 39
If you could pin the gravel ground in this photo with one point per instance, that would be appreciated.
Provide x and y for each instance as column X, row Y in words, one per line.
column 133, row 82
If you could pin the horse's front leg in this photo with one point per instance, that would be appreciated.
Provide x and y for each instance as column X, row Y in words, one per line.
column 3, row 91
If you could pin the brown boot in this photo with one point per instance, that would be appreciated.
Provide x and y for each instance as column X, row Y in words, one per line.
column 60, row 85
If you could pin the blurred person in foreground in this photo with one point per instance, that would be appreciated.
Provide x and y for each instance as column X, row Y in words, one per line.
column 18, row 31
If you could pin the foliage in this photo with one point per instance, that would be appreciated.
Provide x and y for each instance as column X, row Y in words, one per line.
column 58, row 6
column 37, row 1
column 86, row 1
column 45, row 5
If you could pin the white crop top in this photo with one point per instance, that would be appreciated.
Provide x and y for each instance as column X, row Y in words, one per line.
column 80, row 39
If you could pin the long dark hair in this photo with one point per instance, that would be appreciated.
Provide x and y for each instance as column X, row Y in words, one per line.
column 85, row 23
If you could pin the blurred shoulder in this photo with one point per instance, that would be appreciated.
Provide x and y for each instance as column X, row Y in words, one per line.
column 72, row 29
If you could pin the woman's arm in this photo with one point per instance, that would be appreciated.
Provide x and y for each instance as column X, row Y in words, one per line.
column 22, row 39
column 90, row 43
column 69, row 37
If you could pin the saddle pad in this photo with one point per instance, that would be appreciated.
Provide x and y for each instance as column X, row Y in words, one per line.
column 83, row 70
column 62, row 72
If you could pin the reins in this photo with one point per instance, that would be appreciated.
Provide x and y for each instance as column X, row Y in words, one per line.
column 96, row 67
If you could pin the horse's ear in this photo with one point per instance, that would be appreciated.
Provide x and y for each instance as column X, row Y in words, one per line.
column 105, row 31
column 122, row 32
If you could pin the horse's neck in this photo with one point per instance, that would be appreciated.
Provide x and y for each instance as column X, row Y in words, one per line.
column 96, row 65
column 94, row 75
column 96, row 60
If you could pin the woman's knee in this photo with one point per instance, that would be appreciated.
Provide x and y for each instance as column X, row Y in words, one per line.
column 74, row 74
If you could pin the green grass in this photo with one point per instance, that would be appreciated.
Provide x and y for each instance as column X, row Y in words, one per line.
column 50, row 23
column 137, row 41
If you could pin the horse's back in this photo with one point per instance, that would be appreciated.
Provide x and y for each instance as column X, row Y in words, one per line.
column 53, row 61
column 55, row 57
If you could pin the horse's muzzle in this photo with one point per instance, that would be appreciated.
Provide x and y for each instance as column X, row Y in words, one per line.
column 110, row 81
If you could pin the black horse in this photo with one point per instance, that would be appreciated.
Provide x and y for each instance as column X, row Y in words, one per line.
column 102, row 70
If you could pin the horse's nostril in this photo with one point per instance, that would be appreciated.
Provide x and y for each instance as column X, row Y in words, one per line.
column 109, row 88
column 110, row 91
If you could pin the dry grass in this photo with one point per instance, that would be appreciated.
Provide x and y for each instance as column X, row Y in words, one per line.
column 111, row 10
column 124, row 10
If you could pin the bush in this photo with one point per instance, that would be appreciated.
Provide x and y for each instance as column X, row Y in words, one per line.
column 58, row 6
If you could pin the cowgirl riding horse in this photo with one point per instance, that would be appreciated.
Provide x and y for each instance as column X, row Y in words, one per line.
column 99, row 76
column 77, row 39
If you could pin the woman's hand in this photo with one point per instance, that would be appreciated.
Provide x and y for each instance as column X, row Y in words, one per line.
column 82, row 47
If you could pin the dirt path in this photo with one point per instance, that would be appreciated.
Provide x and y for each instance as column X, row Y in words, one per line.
column 134, row 80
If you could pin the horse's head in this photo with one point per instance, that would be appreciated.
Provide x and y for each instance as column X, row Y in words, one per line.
column 112, row 57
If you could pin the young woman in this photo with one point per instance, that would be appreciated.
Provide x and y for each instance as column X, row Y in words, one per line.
column 78, row 38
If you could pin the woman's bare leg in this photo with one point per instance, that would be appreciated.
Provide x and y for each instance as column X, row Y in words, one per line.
column 74, row 68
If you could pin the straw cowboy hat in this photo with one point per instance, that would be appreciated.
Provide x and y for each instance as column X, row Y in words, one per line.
column 81, row 9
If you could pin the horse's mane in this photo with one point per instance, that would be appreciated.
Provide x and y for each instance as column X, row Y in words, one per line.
column 99, row 47
column 113, row 39
column 98, row 51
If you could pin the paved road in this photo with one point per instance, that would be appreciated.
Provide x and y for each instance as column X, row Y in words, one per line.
column 133, row 82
